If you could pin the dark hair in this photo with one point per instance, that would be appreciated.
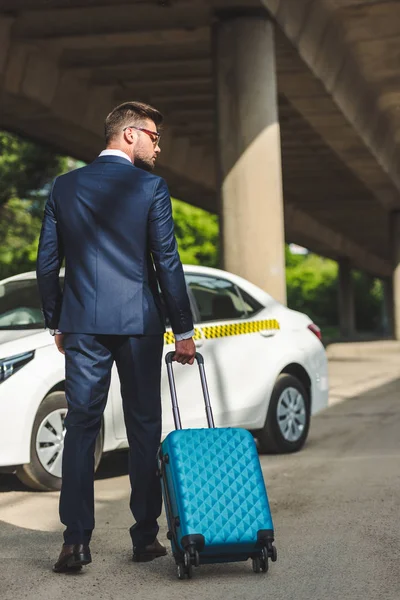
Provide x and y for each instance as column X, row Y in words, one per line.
column 129, row 113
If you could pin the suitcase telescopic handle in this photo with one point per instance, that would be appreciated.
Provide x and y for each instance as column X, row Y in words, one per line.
column 171, row 379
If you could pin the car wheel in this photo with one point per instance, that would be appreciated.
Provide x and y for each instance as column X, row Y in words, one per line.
column 288, row 418
column 47, row 445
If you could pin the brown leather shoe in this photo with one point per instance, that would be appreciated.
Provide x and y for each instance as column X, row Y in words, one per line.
column 149, row 552
column 72, row 558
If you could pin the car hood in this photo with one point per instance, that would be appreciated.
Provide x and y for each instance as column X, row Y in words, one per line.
column 16, row 342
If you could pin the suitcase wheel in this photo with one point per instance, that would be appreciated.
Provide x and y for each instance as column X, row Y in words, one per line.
column 270, row 552
column 260, row 564
column 191, row 558
column 182, row 571
column 256, row 564
column 186, row 559
column 264, row 565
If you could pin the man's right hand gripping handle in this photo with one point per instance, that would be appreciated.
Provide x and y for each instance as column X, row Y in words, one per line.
column 185, row 351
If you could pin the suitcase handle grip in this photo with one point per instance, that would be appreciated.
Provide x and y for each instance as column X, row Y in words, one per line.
column 175, row 408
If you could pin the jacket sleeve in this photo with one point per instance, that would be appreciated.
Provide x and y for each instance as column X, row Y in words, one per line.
column 164, row 250
column 49, row 261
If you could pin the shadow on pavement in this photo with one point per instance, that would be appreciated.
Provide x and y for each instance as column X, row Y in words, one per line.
column 113, row 464
column 11, row 483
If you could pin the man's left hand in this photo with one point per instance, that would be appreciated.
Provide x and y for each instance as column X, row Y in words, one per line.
column 59, row 338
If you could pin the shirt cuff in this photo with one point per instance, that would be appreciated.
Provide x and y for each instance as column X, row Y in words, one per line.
column 184, row 336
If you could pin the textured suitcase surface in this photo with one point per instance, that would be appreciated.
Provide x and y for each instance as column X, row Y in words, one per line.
column 216, row 489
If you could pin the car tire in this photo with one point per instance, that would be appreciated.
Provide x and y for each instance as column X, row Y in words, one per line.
column 34, row 474
column 288, row 418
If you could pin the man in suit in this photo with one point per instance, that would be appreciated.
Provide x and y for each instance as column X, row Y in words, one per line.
column 112, row 222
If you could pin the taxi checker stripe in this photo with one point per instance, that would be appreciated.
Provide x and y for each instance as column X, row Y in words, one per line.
column 219, row 331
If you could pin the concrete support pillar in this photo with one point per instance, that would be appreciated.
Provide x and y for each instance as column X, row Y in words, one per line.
column 346, row 300
column 387, row 308
column 251, row 211
column 395, row 242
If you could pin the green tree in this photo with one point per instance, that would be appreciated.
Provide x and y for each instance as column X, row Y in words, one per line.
column 19, row 234
column 25, row 167
column 291, row 259
column 368, row 298
column 197, row 233
column 312, row 289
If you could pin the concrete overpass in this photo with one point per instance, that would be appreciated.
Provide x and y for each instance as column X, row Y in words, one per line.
column 282, row 115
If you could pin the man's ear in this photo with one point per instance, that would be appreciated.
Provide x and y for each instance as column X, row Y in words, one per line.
column 130, row 136
column 127, row 136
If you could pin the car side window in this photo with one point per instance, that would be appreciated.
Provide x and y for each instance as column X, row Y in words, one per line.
column 217, row 299
column 20, row 305
column 251, row 305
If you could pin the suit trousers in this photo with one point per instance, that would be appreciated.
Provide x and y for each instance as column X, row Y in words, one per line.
column 89, row 360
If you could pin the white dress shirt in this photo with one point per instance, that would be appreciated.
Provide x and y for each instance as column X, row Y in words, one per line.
column 121, row 154
column 115, row 153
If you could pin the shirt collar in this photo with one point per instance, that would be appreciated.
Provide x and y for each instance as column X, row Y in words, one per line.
column 119, row 153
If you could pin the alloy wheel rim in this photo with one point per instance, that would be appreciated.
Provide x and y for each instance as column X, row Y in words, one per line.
column 291, row 414
column 50, row 441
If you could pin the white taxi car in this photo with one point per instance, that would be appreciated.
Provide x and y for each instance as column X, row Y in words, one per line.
column 266, row 369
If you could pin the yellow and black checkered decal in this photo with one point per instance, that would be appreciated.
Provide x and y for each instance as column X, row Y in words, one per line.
column 218, row 331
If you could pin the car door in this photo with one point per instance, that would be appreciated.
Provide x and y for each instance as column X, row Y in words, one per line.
column 239, row 338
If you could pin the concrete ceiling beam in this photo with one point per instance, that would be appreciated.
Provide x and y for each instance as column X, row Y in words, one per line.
column 138, row 39
column 83, row 20
column 144, row 68
column 316, row 30
column 297, row 221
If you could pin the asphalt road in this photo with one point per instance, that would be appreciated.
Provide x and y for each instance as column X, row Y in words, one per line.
column 335, row 506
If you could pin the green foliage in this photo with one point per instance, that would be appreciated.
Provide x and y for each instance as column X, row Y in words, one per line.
column 25, row 167
column 19, row 232
column 292, row 260
column 312, row 288
column 368, row 294
column 197, row 232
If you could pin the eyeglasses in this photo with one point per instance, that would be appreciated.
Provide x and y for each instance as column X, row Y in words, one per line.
column 153, row 135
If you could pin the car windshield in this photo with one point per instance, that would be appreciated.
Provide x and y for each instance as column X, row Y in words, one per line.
column 20, row 306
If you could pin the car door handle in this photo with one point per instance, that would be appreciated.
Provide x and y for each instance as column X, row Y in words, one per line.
column 267, row 333
column 198, row 343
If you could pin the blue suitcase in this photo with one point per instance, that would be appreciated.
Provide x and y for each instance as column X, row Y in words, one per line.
column 214, row 492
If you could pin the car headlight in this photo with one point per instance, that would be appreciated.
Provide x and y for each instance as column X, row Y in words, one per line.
column 9, row 366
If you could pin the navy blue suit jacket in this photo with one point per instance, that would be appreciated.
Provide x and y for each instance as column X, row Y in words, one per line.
column 113, row 224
